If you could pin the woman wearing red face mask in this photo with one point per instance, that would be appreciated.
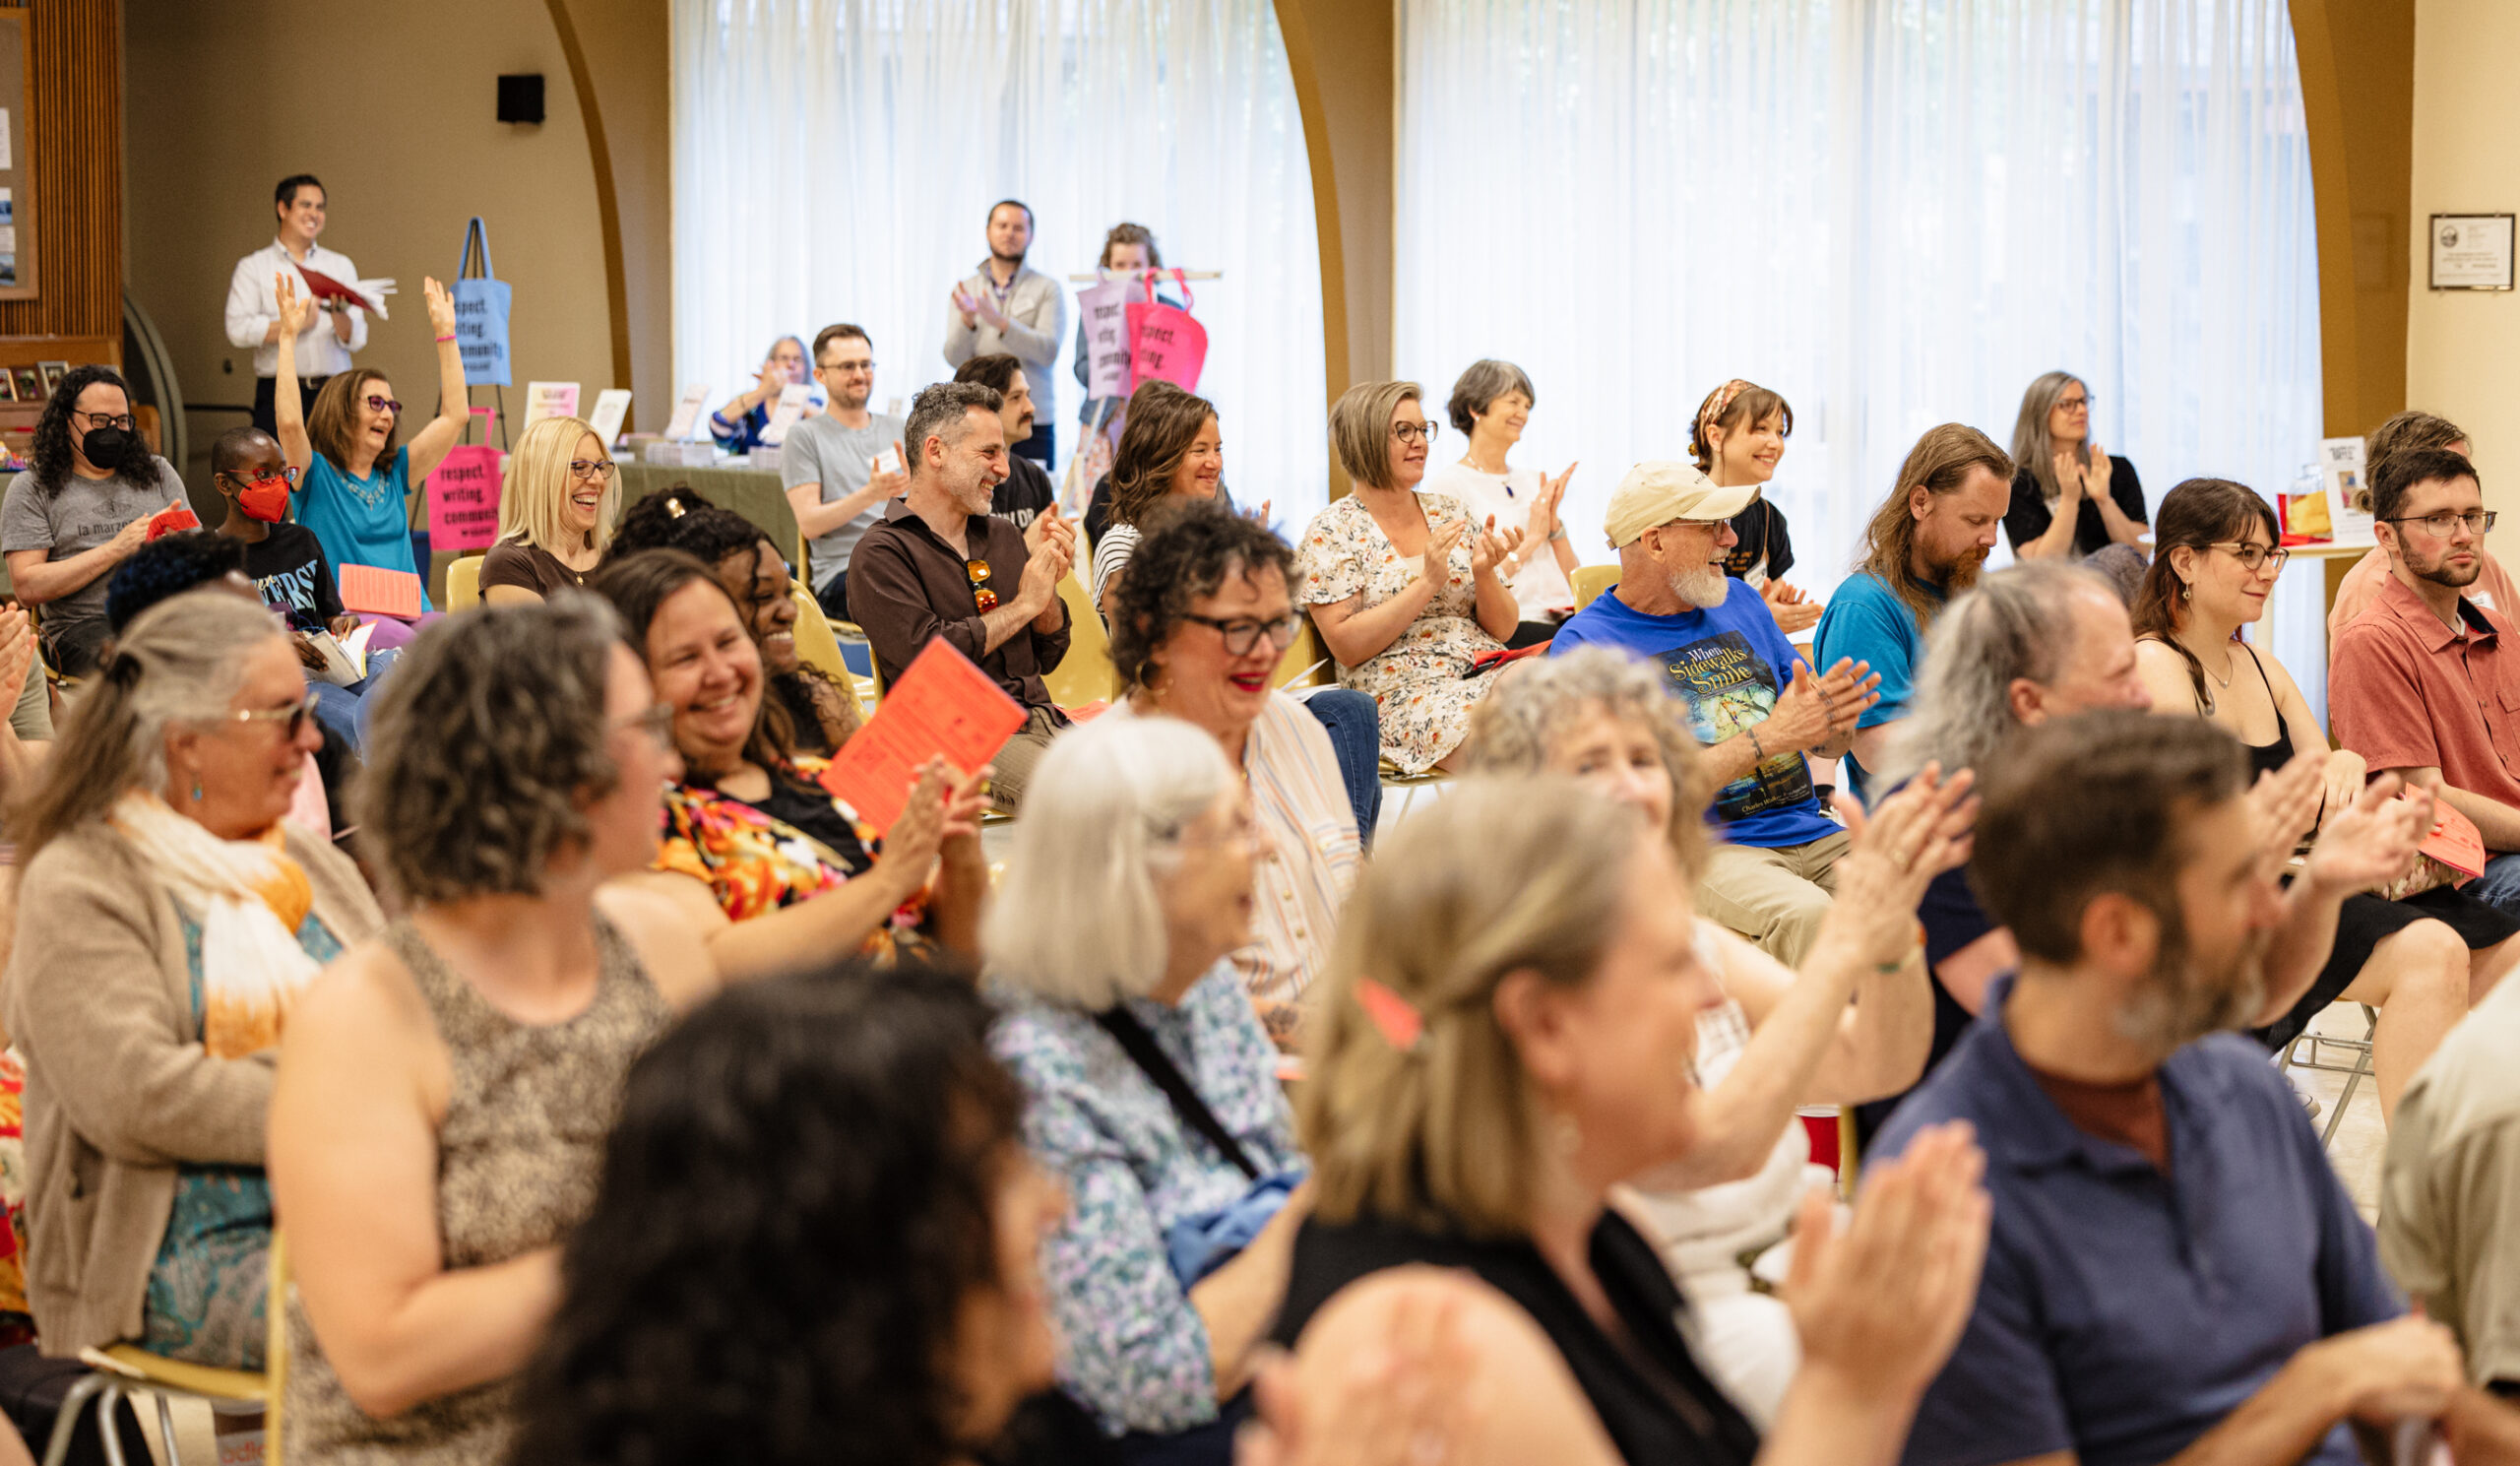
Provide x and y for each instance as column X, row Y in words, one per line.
column 287, row 564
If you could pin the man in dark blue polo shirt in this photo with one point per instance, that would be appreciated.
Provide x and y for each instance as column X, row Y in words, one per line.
column 2174, row 1267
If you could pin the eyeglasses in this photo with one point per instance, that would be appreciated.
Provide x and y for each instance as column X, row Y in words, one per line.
column 124, row 420
column 376, row 403
column 1413, row 433
column 2253, row 554
column 595, row 470
column 2445, row 522
column 1244, row 633
column 982, row 596
column 846, row 368
column 293, row 718
column 656, row 722
column 285, row 474
column 2075, row 403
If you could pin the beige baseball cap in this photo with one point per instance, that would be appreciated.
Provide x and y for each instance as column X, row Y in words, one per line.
column 1664, row 489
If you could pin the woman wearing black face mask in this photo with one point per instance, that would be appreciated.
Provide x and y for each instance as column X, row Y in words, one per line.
column 80, row 510
column 287, row 564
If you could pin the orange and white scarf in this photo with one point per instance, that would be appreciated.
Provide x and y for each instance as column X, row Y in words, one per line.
column 249, row 898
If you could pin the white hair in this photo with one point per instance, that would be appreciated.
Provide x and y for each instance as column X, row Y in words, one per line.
column 1078, row 919
column 2016, row 623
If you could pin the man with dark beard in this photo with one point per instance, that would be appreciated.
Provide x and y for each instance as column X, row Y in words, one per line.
column 1923, row 546
column 2175, row 1272
column 2425, row 682
column 2042, row 640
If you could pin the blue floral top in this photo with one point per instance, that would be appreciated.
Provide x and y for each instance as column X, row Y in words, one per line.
column 1134, row 1351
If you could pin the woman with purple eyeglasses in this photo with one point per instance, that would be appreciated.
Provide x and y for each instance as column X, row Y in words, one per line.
column 358, row 483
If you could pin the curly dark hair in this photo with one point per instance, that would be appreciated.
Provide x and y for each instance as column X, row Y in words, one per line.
column 1188, row 550
column 490, row 731
column 680, row 517
column 639, row 585
column 795, row 1202
column 50, row 456
column 168, row 566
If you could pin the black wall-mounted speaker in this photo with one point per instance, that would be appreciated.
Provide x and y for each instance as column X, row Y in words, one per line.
column 521, row 98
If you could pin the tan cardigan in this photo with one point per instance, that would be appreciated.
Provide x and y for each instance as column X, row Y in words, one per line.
column 118, row 1091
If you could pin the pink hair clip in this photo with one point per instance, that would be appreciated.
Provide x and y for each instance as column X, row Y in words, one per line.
column 1399, row 1024
column 1712, row 412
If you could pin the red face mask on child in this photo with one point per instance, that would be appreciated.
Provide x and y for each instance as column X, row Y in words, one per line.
column 266, row 499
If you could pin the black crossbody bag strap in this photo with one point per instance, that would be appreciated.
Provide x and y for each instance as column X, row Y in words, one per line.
column 1140, row 1045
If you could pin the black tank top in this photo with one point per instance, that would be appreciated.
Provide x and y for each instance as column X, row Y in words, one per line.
column 2266, row 758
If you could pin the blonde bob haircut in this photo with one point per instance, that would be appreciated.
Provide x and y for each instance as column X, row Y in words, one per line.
column 1361, row 428
column 1523, row 717
column 1501, row 875
column 1078, row 919
column 534, row 497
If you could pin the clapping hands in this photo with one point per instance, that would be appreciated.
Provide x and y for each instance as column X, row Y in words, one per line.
column 1881, row 1306
column 1909, row 839
column 1492, row 545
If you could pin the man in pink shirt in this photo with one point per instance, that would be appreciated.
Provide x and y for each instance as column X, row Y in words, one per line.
column 2425, row 682
column 2354, row 594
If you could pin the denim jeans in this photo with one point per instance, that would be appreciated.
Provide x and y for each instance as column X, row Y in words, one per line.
column 342, row 711
column 2499, row 886
column 1355, row 727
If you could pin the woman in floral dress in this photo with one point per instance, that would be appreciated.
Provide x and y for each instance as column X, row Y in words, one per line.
column 1404, row 587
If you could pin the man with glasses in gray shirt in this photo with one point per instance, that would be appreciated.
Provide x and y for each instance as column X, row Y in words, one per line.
column 830, row 463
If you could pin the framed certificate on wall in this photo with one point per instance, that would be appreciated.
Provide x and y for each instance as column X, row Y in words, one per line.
column 2470, row 251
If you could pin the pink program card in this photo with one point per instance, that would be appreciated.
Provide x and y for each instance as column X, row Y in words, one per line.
column 942, row 706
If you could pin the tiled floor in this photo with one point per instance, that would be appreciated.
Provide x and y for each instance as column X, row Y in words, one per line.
column 2359, row 1140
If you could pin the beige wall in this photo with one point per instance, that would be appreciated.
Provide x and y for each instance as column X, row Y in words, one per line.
column 396, row 113
column 2463, row 347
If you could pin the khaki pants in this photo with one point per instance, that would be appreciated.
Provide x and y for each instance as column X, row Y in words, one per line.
column 1776, row 898
column 1014, row 763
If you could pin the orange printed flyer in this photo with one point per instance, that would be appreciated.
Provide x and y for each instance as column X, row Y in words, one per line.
column 943, row 706
column 379, row 591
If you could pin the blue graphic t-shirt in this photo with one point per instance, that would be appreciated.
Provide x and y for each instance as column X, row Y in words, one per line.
column 1727, row 662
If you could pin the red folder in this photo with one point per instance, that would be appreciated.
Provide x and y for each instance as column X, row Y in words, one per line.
column 325, row 287
column 170, row 520
column 942, row 706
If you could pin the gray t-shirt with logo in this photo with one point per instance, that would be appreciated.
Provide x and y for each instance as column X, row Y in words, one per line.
column 79, row 516
column 826, row 451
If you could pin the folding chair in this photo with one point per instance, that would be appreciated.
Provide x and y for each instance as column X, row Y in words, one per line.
column 2355, row 1073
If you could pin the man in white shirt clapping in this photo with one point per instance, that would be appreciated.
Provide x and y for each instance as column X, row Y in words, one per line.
column 253, row 307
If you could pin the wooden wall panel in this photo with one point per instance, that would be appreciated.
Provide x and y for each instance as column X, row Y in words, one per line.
column 74, row 80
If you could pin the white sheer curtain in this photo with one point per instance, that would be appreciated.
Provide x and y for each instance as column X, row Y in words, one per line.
column 1897, row 213
column 834, row 160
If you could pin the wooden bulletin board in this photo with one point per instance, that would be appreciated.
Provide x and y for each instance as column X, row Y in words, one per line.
column 17, row 164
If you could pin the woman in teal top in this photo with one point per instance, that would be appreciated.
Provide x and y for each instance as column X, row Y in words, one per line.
column 358, row 482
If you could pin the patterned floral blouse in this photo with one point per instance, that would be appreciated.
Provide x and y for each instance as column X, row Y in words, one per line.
column 755, row 862
column 1133, row 1349
column 1415, row 681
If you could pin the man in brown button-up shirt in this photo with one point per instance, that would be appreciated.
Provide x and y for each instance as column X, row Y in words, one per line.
column 941, row 565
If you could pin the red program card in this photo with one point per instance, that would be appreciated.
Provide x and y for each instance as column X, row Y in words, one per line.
column 943, row 706
column 171, row 519
column 378, row 591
